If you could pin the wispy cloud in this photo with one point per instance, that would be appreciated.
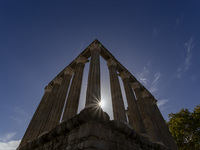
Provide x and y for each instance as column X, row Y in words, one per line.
column 20, row 116
column 11, row 145
column 7, row 142
column 195, row 76
column 21, row 111
column 7, row 137
column 18, row 120
column 187, row 61
column 178, row 21
column 154, row 84
column 156, row 77
column 151, row 82
column 162, row 104
column 145, row 77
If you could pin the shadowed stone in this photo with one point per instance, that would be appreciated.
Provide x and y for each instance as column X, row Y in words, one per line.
column 92, row 129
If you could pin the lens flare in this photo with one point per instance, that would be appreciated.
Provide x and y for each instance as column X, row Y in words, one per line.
column 101, row 104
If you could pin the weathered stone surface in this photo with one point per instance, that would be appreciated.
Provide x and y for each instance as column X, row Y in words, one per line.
column 93, row 96
column 72, row 103
column 116, row 94
column 133, row 112
column 148, row 119
column 56, row 111
column 92, row 129
column 96, row 132
column 35, row 121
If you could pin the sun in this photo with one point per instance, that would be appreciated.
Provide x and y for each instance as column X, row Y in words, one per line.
column 101, row 104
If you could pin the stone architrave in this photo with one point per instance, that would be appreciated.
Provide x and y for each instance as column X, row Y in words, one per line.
column 117, row 100
column 135, row 119
column 72, row 103
column 93, row 96
column 36, row 117
column 55, row 115
column 145, row 113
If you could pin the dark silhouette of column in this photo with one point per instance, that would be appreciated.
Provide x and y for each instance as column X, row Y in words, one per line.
column 157, row 128
column 117, row 100
column 93, row 96
column 72, row 103
column 146, row 113
column 164, row 130
column 36, row 117
column 48, row 108
column 135, row 119
column 55, row 115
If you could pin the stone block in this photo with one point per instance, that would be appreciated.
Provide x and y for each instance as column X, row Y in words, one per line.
column 76, row 134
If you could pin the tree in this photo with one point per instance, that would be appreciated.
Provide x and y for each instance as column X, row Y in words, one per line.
column 185, row 128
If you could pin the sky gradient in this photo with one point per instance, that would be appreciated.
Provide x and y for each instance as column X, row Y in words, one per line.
column 158, row 41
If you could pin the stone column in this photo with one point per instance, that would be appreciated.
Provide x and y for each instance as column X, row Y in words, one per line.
column 157, row 128
column 48, row 108
column 55, row 115
column 117, row 100
column 146, row 113
column 72, row 103
column 36, row 117
column 93, row 96
column 164, row 130
column 135, row 119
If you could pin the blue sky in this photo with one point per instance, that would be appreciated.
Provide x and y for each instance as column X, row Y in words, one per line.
column 158, row 41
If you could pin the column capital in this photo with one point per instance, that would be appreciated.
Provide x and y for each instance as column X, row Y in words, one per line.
column 135, row 85
column 153, row 101
column 111, row 62
column 48, row 88
column 145, row 94
column 69, row 71
column 95, row 47
column 81, row 60
column 124, row 74
column 57, row 80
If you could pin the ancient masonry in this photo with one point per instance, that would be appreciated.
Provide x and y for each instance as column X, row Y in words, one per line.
column 56, row 126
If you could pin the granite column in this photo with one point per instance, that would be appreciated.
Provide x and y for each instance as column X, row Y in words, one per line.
column 135, row 119
column 146, row 114
column 164, row 130
column 55, row 115
column 93, row 96
column 117, row 100
column 72, row 103
column 36, row 117
column 48, row 107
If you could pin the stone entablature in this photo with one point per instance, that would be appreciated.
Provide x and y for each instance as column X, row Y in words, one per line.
column 92, row 130
column 106, row 55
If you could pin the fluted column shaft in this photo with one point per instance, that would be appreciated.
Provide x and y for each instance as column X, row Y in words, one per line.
column 93, row 96
column 135, row 119
column 55, row 115
column 36, row 118
column 72, row 103
column 117, row 100
column 164, row 130
column 47, row 108
column 146, row 114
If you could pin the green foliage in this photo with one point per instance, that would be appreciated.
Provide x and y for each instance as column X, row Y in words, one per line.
column 185, row 128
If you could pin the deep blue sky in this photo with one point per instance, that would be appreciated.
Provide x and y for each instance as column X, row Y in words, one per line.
column 158, row 41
